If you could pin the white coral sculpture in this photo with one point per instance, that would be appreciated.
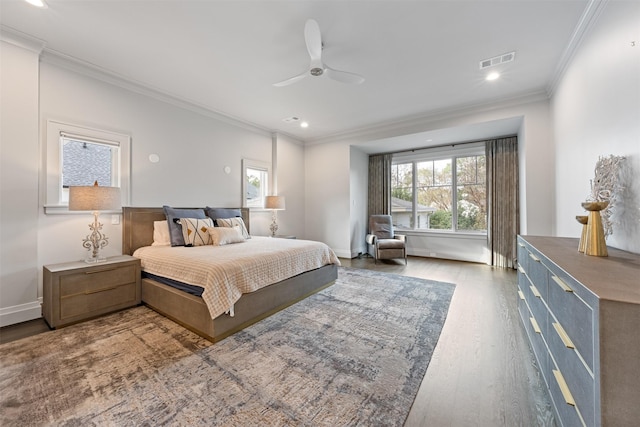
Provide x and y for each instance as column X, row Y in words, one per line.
column 606, row 187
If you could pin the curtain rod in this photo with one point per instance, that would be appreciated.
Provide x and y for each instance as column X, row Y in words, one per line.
column 450, row 144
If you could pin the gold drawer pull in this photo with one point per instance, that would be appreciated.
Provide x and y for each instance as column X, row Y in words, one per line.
column 521, row 294
column 535, row 291
column 100, row 271
column 564, row 389
column 521, row 270
column 561, row 283
column 535, row 258
column 536, row 328
column 521, row 245
column 563, row 335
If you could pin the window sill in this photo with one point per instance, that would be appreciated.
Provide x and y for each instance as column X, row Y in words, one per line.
column 443, row 233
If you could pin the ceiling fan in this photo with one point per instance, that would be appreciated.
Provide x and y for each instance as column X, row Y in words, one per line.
column 317, row 68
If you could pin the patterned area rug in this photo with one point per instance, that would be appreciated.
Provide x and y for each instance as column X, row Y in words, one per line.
column 353, row 354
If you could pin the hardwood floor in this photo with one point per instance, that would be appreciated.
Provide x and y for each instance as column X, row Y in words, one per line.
column 482, row 372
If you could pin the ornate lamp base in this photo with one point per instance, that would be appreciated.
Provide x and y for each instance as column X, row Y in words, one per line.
column 94, row 242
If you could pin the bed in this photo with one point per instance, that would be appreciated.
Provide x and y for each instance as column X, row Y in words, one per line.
column 192, row 311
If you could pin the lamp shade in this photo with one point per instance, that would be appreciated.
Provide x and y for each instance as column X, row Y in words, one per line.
column 94, row 198
column 274, row 202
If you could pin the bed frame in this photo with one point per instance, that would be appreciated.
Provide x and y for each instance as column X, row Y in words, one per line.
column 190, row 311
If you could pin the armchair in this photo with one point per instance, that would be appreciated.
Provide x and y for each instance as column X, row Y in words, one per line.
column 383, row 241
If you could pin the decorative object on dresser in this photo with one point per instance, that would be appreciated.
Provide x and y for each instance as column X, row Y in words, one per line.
column 274, row 203
column 73, row 292
column 582, row 219
column 94, row 198
column 581, row 316
column 595, row 244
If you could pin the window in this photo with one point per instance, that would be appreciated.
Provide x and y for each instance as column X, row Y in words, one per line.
column 440, row 189
column 255, row 184
column 80, row 156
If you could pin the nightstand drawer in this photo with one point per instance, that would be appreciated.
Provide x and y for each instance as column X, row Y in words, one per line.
column 97, row 301
column 97, row 280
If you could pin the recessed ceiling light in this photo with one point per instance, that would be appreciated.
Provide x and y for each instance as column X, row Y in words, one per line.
column 37, row 3
column 492, row 76
column 304, row 125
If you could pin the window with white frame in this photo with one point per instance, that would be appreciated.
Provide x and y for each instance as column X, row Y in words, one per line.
column 77, row 156
column 255, row 183
column 441, row 189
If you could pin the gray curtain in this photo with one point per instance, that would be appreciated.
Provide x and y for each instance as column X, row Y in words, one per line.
column 503, row 207
column 380, row 184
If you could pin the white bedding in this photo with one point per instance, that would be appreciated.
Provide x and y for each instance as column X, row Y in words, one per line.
column 226, row 272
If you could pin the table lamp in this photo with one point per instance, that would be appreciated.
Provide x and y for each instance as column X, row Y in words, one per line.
column 94, row 198
column 275, row 203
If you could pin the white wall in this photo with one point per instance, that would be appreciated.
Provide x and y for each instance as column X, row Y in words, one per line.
column 291, row 186
column 193, row 147
column 596, row 112
column 328, row 195
column 18, row 181
column 358, row 182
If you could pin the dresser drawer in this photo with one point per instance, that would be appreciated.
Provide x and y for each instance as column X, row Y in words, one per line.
column 538, row 273
column 535, row 338
column 579, row 379
column 574, row 315
column 537, row 306
column 562, row 397
column 96, row 280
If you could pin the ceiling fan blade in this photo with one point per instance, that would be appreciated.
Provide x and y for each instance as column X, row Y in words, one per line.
column 313, row 39
column 292, row 80
column 343, row 76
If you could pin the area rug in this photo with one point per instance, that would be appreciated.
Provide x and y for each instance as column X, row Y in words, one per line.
column 353, row 354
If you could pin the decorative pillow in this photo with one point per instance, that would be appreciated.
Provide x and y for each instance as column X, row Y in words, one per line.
column 175, row 231
column 215, row 213
column 234, row 222
column 161, row 234
column 194, row 231
column 225, row 235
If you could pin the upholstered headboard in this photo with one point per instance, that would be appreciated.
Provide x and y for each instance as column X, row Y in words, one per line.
column 137, row 227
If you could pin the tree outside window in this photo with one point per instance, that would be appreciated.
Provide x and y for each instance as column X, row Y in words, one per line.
column 436, row 184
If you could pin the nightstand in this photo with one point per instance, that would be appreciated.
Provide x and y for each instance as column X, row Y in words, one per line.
column 77, row 291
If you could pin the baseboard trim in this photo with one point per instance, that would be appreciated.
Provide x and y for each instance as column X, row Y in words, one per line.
column 20, row 313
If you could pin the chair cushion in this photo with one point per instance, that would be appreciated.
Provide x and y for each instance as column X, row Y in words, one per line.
column 390, row 244
column 381, row 226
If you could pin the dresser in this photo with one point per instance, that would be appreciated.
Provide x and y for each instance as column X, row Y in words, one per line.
column 582, row 317
column 76, row 291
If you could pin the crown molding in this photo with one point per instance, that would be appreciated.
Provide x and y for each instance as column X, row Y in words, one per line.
column 395, row 128
column 589, row 17
column 20, row 39
column 76, row 65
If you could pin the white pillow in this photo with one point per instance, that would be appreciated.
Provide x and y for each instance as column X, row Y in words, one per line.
column 225, row 235
column 194, row 231
column 234, row 222
column 161, row 233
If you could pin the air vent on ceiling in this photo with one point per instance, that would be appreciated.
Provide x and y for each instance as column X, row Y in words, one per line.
column 496, row 60
column 292, row 119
